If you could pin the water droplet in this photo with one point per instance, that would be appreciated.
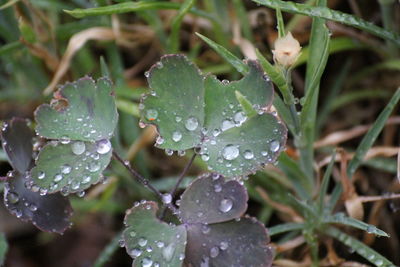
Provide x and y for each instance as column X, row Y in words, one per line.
column 216, row 132
column 136, row 252
column 75, row 185
column 191, row 123
column 227, row 124
column 181, row 153
column 168, row 252
column 147, row 262
column 78, row 147
column 166, row 198
column 239, row 118
column 274, row 145
column 176, row 136
column 217, row 188
column 65, row 140
column 230, row 152
column 43, row 191
column 205, row 262
column 159, row 140
column 86, row 179
column 103, row 146
column 12, row 197
column 223, row 245
column 214, row 252
column 41, row 175
column 264, row 153
column 132, row 233
column 160, row 244
column 65, row 169
column 149, row 249
column 205, row 157
column 248, row 154
column 205, row 229
column 178, row 119
column 93, row 166
column 151, row 114
column 142, row 242
column 225, row 205
column 32, row 207
column 169, row 152
column 181, row 257
column 147, row 74
column 379, row 262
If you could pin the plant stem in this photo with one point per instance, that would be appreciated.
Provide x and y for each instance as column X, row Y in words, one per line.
column 185, row 170
column 180, row 179
column 143, row 181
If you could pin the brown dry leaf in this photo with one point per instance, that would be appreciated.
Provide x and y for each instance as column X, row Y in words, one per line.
column 247, row 48
column 74, row 44
column 146, row 138
column 289, row 245
column 289, row 263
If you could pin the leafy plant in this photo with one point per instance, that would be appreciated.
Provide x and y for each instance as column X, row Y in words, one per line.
column 235, row 132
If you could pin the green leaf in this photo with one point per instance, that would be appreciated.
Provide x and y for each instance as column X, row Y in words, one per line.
column 70, row 167
column 3, row 248
column 210, row 199
column 246, row 105
column 150, row 241
column 359, row 247
column 329, row 14
column 285, row 227
column 131, row 7
column 192, row 111
column 241, row 242
column 50, row 213
column 224, row 53
column 325, row 183
column 370, row 137
column 17, row 143
column 340, row 218
column 83, row 110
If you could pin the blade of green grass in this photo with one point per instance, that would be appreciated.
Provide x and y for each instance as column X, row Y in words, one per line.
column 372, row 134
column 340, row 218
column 359, row 247
column 285, row 227
column 238, row 64
column 281, row 25
column 173, row 41
column 319, row 43
column 108, row 251
column 329, row 14
column 131, row 7
column 325, row 182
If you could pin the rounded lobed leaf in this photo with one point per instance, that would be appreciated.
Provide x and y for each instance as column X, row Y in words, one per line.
column 17, row 143
column 190, row 110
column 150, row 241
column 209, row 199
column 175, row 104
column 242, row 150
column 49, row 213
column 70, row 166
column 83, row 110
column 240, row 243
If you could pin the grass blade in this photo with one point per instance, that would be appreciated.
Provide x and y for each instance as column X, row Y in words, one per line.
column 108, row 251
column 285, row 227
column 359, row 247
column 325, row 182
column 228, row 56
column 329, row 14
column 131, row 7
column 340, row 218
column 372, row 134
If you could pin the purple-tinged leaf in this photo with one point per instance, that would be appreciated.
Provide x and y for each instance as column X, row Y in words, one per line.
column 49, row 213
column 150, row 241
column 209, row 199
column 17, row 143
column 239, row 243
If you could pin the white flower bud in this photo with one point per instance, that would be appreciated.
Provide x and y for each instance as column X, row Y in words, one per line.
column 287, row 50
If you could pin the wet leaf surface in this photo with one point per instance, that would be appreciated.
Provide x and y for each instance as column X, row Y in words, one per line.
column 83, row 110
column 209, row 199
column 49, row 213
column 150, row 241
column 191, row 110
column 240, row 243
column 17, row 143
column 71, row 167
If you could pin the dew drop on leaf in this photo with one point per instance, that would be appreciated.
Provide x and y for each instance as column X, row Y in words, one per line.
column 65, row 169
column 176, row 136
column 166, row 198
column 223, row 245
column 160, row 244
column 191, row 124
column 147, row 262
column 226, row 125
column 142, row 242
column 168, row 252
column 274, row 145
column 239, row 118
column 248, row 154
column 225, row 205
column 136, row 252
column 103, row 146
column 214, row 252
column 151, row 114
column 13, row 198
column 41, row 175
column 94, row 166
column 58, row 177
column 230, row 152
column 86, row 179
column 78, row 147
column 178, row 119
